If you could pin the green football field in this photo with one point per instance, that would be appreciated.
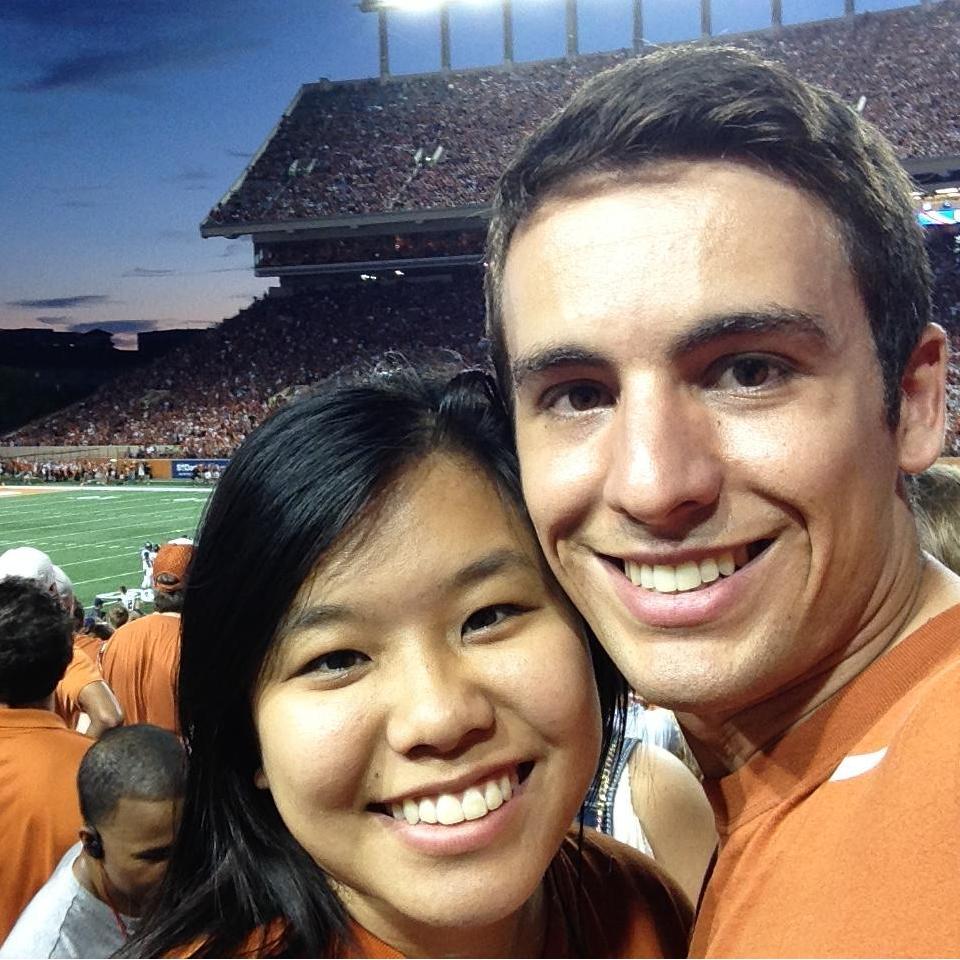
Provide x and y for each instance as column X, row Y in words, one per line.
column 96, row 533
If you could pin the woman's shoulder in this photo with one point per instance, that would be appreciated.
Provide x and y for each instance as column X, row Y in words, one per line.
column 627, row 905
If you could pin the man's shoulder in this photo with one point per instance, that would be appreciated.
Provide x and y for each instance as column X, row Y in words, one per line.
column 148, row 625
column 38, row 930
column 33, row 728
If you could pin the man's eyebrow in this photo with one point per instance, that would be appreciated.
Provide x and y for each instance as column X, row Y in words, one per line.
column 773, row 319
column 551, row 358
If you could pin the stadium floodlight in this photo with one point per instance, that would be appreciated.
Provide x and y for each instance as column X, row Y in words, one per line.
column 372, row 6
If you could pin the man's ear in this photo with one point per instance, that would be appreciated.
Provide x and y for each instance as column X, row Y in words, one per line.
column 92, row 844
column 923, row 402
column 260, row 779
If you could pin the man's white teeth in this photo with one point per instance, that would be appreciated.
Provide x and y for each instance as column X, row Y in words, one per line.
column 449, row 809
column 664, row 578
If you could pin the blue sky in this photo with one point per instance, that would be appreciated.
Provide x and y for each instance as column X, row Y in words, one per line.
column 124, row 121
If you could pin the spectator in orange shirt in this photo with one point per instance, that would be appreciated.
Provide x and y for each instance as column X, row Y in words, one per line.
column 140, row 660
column 82, row 689
column 39, row 756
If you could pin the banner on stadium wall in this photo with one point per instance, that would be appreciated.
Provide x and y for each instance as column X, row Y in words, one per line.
column 935, row 218
column 160, row 469
column 184, row 469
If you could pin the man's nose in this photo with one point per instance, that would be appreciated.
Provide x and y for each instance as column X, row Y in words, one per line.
column 662, row 465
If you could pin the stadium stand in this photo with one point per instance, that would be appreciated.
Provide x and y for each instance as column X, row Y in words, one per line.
column 388, row 156
column 350, row 148
column 207, row 397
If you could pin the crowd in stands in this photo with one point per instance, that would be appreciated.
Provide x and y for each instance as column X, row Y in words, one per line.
column 352, row 148
column 21, row 469
column 358, row 249
column 206, row 397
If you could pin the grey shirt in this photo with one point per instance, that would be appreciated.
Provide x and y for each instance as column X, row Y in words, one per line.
column 65, row 920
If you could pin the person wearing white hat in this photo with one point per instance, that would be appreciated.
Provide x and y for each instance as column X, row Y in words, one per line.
column 82, row 688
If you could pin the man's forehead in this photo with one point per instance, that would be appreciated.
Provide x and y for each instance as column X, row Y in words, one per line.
column 705, row 241
column 135, row 817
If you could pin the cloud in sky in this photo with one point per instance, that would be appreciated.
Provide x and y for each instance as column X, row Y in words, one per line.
column 192, row 175
column 62, row 303
column 120, row 326
column 54, row 321
column 90, row 68
column 98, row 44
column 149, row 272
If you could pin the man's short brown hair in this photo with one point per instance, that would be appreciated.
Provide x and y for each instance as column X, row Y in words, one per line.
column 712, row 102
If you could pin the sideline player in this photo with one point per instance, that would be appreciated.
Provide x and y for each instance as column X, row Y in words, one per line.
column 709, row 300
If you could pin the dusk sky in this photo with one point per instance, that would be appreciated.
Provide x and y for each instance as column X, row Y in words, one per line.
column 124, row 121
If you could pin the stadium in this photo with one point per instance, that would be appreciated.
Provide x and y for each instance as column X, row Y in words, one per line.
column 351, row 642
column 368, row 203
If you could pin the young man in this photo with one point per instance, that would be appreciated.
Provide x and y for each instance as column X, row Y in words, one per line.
column 141, row 659
column 82, row 689
column 131, row 785
column 709, row 302
column 39, row 756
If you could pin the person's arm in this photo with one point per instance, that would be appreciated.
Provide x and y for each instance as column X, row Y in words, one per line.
column 99, row 703
column 675, row 814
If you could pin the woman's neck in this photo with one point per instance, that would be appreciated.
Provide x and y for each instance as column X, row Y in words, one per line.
column 521, row 934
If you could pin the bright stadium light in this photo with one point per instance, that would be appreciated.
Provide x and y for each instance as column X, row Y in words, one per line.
column 371, row 6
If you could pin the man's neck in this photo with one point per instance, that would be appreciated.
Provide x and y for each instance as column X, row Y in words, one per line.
column 47, row 703
column 90, row 874
column 724, row 743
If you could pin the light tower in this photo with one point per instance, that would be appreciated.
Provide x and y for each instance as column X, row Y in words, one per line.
column 382, row 8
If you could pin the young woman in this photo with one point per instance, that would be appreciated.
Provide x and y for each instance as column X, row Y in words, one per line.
column 390, row 708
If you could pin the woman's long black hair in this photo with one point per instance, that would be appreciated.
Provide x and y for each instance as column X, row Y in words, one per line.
column 293, row 488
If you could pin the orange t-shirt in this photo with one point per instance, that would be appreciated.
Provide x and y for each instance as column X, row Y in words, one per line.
column 627, row 906
column 80, row 672
column 843, row 838
column 39, row 809
column 140, row 663
column 90, row 645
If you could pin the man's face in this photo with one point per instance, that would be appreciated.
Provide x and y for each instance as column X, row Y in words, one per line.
column 136, row 847
column 700, row 425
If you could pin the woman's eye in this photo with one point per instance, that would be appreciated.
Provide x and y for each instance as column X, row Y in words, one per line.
column 335, row 663
column 749, row 373
column 577, row 398
column 490, row 617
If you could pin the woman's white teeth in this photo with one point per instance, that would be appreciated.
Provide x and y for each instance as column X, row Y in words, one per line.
column 449, row 809
column 664, row 578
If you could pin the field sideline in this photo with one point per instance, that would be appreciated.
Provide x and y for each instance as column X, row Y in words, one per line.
column 96, row 533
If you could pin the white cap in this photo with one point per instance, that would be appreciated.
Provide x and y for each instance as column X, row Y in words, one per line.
column 64, row 588
column 29, row 563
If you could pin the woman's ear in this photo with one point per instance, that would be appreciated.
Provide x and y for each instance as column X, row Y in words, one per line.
column 260, row 779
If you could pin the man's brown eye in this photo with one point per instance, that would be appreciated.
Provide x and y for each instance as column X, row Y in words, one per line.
column 584, row 397
column 751, row 371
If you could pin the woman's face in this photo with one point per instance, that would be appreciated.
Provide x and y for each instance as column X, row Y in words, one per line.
column 428, row 721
